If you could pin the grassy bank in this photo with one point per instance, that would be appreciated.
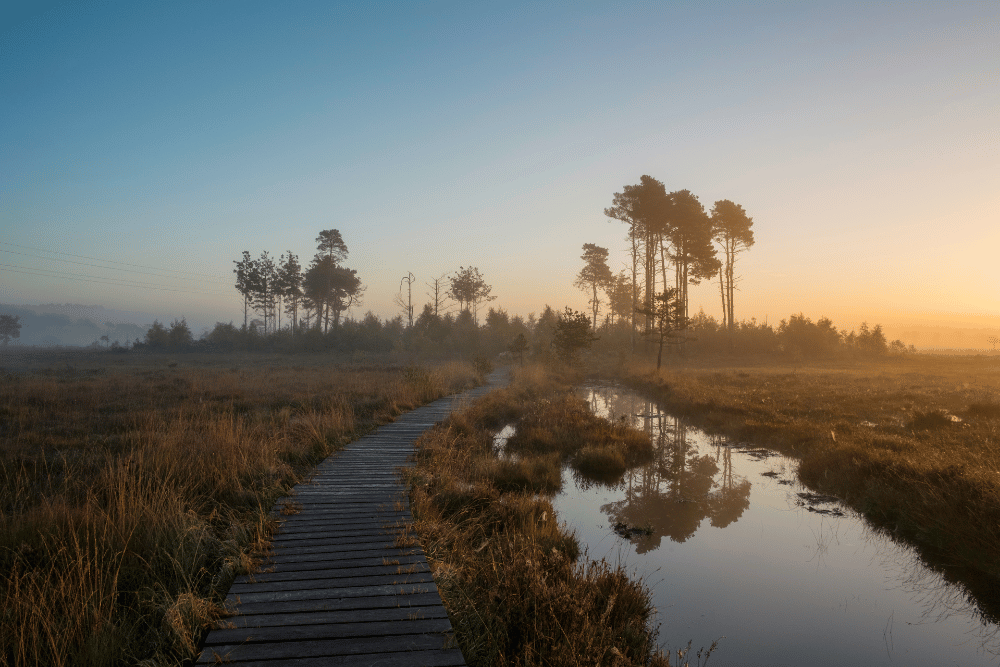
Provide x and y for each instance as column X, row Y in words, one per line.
column 131, row 495
column 913, row 443
column 517, row 589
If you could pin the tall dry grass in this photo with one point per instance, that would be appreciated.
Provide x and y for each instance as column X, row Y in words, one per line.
column 517, row 590
column 913, row 443
column 130, row 497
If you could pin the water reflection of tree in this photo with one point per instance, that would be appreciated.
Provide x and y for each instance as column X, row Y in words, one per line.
column 680, row 487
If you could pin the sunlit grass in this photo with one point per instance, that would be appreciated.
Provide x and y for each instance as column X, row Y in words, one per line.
column 130, row 497
column 517, row 590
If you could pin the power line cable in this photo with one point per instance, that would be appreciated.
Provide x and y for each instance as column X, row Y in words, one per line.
column 14, row 268
column 111, row 268
column 109, row 261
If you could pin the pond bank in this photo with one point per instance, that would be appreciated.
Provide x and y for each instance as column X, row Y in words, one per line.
column 738, row 548
column 867, row 434
column 509, row 572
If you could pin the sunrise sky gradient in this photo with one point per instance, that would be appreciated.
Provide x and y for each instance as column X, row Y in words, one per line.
column 863, row 139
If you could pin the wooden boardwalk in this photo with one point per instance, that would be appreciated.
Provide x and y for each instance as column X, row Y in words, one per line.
column 346, row 585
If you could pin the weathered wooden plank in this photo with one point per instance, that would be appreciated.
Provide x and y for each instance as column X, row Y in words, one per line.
column 407, row 625
column 432, row 610
column 329, row 583
column 451, row 657
column 345, row 582
column 331, row 544
column 426, row 596
column 322, row 547
column 358, row 534
column 398, row 585
column 290, row 557
column 322, row 648
column 294, row 579
column 321, row 520
column 280, row 570
column 358, row 531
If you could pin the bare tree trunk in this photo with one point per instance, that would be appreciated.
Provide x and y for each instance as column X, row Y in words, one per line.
column 635, row 284
column 722, row 291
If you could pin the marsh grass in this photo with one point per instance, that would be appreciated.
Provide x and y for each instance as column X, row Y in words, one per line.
column 912, row 443
column 517, row 590
column 597, row 448
column 130, row 497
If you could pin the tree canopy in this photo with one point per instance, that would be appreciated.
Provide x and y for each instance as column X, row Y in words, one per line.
column 595, row 275
column 469, row 288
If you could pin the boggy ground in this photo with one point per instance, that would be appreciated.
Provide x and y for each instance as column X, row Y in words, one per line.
column 913, row 443
column 518, row 591
column 134, row 487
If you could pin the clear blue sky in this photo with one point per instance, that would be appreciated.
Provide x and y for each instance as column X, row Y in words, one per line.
column 863, row 140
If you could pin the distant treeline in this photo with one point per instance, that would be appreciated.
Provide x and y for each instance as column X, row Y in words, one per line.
column 458, row 335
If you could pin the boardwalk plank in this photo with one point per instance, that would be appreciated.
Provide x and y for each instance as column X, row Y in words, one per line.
column 253, row 590
column 407, row 625
column 431, row 658
column 374, row 601
column 345, row 583
column 322, row 648
column 433, row 610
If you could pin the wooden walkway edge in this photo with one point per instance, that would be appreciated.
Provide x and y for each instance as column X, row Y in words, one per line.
column 346, row 585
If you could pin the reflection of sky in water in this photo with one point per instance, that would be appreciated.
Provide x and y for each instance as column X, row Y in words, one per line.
column 788, row 582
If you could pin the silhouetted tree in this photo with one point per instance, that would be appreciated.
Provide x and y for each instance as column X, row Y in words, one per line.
column 572, row 335
column 330, row 288
column 692, row 252
column 439, row 295
column 290, row 285
column 224, row 336
column 594, row 275
column 157, row 336
column 620, row 297
column 871, row 340
column 801, row 335
column 246, row 281
column 331, row 244
column 470, row 289
column 518, row 347
column 668, row 319
column 179, row 337
column 406, row 303
column 10, row 327
column 644, row 208
column 265, row 289
column 731, row 229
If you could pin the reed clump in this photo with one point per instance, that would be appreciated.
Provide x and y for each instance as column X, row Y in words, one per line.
column 596, row 447
column 131, row 496
column 913, row 443
column 511, row 576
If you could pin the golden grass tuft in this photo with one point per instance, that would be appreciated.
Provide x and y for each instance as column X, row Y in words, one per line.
column 131, row 496
column 510, row 574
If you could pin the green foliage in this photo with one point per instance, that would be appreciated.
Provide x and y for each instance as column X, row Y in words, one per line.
column 572, row 335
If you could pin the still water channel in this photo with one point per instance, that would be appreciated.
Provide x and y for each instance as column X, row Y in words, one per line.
column 740, row 552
